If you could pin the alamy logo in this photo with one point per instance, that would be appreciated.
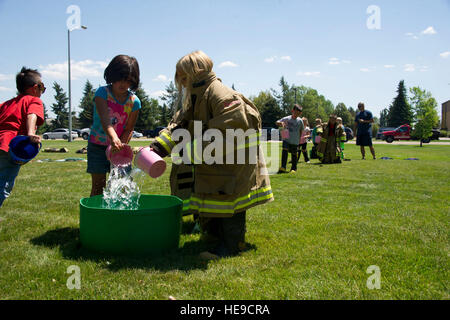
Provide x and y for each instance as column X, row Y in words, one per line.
column 212, row 147
column 374, row 20
column 74, row 21
column 374, row 281
column 74, row 281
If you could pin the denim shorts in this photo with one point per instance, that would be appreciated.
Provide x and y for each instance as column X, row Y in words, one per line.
column 8, row 174
column 96, row 157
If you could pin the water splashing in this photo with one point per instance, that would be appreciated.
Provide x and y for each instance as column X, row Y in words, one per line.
column 121, row 191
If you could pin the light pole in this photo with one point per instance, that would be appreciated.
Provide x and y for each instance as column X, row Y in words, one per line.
column 70, row 89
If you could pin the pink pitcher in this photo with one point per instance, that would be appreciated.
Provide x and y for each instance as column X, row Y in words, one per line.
column 285, row 134
column 122, row 157
column 150, row 162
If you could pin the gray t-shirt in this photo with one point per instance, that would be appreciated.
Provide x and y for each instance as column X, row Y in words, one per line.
column 294, row 126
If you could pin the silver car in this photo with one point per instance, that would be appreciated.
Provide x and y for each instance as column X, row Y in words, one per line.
column 61, row 133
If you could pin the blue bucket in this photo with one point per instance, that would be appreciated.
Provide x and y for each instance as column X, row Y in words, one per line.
column 22, row 150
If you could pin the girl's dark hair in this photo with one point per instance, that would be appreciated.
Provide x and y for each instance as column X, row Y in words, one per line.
column 27, row 78
column 123, row 67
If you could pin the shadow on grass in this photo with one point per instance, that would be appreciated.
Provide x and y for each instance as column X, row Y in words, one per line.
column 68, row 242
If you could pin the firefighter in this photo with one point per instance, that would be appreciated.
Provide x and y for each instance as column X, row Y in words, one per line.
column 329, row 150
column 218, row 193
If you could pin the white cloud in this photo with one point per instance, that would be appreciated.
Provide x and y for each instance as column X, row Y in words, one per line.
column 411, row 35
column 423, row 69
column 389, row 66
column 5, row 89
column 334, row 61
column 364, row 70
column 429, row 30
column 274, row 58
column 161, row 78
column 445, row 55
column 309, row 74
column 80, row 69
column 270, row 60
column 226, row 64
column 5, row 77
column 410, row 67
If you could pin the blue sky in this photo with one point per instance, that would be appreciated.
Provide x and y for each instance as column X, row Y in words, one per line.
column 323, row 44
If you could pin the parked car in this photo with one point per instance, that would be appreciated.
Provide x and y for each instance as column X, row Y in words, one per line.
column 85, row 133
column 137, row 134
column 78, row 131
column 60, row 133
column 381, row 130
column 152, row 133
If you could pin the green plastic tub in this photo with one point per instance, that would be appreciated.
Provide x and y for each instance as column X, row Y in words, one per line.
column 151, row 230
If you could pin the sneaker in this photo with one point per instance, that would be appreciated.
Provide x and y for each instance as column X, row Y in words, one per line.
column 282, row 170
column 308, row 161
column 293, row 171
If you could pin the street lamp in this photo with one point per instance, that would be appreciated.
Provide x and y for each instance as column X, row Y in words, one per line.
column 70, row 89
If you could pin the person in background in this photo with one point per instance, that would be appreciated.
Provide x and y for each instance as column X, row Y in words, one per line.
column 19, row 116
column 329, row 150
column 293, row 125
column 316, row 135
column 340, row 124
column 115, row 113
column 302, row 148
column 364, row 120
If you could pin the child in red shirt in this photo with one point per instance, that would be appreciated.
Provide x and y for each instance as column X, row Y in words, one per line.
column 19, row 116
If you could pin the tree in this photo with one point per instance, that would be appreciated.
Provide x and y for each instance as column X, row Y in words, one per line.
column 171, row 99
column 285, row 98
column 164, row 116
column 341, row 111
column 87, row 106
column 425, row 113
column 268, row 108
column 45, row 127
column 149, row 112
column 400, row 112
column 59, row 108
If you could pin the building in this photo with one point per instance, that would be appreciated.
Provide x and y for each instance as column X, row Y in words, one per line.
column 445, row 115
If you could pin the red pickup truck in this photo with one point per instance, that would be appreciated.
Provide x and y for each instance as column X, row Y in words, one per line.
column 404, row 133
column 401, row 133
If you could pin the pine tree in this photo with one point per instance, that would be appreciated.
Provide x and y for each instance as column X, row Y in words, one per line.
column 164, row 116
column 400, row 112
column 171, row 98
column 59, row 108
column 285, row 97
column 87, row 106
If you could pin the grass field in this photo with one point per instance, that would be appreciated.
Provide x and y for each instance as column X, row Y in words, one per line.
column 327, row 225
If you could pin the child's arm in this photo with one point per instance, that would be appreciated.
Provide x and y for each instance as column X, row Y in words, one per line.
column 128, row 131
column 31, row 128
column 103, row 113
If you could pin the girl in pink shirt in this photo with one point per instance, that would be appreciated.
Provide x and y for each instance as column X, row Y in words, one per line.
column 306, row 133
